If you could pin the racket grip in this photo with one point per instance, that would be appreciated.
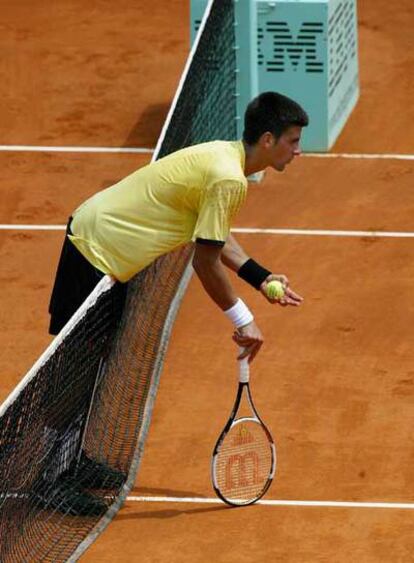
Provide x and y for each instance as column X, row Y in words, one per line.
column 244, row 368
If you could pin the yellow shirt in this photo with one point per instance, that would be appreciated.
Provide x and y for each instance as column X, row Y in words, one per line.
column 192, row 194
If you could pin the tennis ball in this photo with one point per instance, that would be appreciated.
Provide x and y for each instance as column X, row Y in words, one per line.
column 275, row 290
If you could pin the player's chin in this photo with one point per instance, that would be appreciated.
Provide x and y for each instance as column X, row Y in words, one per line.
column 279, row 167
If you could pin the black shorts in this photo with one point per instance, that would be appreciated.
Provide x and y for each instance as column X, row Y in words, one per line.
column 75, row 280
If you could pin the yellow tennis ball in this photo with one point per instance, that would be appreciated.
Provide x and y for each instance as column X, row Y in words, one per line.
column 275, row 289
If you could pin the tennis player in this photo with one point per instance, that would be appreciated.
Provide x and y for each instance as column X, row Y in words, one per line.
column 190, row 195
column 194, row 195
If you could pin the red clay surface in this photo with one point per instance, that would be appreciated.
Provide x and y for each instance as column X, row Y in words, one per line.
column 335, row 379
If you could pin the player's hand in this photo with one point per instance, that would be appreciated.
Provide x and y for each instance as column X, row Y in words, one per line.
column 250, row 338
column 289, row 298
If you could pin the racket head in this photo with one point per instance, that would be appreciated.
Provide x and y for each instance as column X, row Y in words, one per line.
column 243, row 462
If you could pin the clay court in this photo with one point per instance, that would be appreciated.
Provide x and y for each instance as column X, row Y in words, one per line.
column 335, row 379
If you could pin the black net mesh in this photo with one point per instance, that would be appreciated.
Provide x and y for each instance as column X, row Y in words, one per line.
column 206, row 108
column 72, row 438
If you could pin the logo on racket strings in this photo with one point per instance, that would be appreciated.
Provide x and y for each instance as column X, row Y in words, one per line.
column 242, row 470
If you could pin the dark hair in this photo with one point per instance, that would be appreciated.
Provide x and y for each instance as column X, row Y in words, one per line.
column 271, row 112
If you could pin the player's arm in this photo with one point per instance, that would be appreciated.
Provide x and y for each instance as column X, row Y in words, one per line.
column 208, row 266
column 235, row 258
column 207, row 263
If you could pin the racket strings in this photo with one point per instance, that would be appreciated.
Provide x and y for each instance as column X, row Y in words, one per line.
column 244, row 462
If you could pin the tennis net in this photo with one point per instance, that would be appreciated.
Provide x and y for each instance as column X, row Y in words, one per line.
column 81, row 415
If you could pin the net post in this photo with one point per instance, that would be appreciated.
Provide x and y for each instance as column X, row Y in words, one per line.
column 245, row 27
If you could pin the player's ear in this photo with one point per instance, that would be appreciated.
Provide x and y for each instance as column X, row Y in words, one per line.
column 267, row 140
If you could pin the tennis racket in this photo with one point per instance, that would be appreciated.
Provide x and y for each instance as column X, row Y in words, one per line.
column 244, row 458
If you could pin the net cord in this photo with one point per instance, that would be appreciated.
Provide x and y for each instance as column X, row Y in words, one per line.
column 104, row 285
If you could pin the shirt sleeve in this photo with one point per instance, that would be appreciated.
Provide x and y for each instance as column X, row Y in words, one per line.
column 220, row 204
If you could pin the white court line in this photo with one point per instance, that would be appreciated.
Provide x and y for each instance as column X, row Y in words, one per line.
column 248, row 230
column 32, row 227
column 264, row 502
column 29, row 148
column 303, row 503
column 313, row 232
column 146, row 150
column 360, row 156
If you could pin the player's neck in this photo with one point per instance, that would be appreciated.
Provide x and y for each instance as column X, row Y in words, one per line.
column 253, row 162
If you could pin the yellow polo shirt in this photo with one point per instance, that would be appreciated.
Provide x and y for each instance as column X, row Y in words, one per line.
column 190, row 195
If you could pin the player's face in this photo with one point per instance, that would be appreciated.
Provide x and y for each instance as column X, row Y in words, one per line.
column 280, row 151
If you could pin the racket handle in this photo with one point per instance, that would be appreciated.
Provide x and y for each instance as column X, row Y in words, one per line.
column 244, row 368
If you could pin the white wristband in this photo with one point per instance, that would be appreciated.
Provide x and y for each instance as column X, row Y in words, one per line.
column 239, row 314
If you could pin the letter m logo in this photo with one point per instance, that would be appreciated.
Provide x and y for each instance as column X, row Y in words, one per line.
column 280, row 49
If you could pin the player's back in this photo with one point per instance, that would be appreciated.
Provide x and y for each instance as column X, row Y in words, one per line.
column 180, row 178
column 155, row 209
